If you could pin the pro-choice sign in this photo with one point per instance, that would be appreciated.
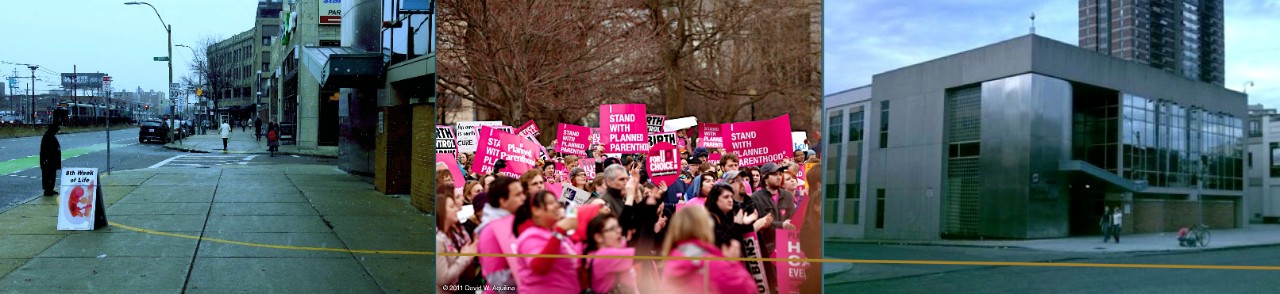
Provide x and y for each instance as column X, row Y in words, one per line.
column 759, row 142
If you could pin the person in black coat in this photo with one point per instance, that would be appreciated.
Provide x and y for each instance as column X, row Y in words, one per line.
column 731, row 223
column 50, row 159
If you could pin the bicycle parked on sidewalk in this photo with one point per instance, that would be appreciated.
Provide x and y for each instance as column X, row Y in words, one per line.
column 1196, row 235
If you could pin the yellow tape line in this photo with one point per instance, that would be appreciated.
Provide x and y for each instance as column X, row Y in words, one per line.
column 809, row 260
column 287, row 247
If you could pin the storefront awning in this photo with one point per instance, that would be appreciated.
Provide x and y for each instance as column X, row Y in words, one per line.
column 1102, row 174
column 343, row 67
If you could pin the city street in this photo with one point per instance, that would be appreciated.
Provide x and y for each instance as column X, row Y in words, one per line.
column 20, row 171
column 892, row 278
column 215, row 222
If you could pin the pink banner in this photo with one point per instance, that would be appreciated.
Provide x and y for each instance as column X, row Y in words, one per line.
column 595, row 136
column 555, row 188
column 623, row 129
column 562, row 172
column 664, row 163
column 452, row 163
column 571, row 139
column 714, row 158
column 791, row 274
column 589, row 164
column 528, row 129
column 759, row 142
column 496, row 144
column 709, row 136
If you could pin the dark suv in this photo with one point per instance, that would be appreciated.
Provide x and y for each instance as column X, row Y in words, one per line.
column 153, row 129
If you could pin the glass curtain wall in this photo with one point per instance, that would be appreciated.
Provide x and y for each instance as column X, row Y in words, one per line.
column 1169, row 145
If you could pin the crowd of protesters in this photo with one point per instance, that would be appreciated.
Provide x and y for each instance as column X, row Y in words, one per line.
column 705, row 213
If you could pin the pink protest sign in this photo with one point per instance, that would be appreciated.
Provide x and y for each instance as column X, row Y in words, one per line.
column 663, row 163
column 791, row 274
column 595, row 136
column 454, row 170
column 714, row 158
column 528, row 129
column 709, row 136
column 759, row 142
column 571, row 139
column 555, row 188
column 496, row 144
column 561, row 172
column 623, row 129
column 589, row 165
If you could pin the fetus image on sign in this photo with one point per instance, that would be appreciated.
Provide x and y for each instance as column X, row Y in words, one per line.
column 80, row 203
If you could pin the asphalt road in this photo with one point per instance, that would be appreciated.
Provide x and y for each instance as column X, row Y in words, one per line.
column 879, row 278
column 20, row 173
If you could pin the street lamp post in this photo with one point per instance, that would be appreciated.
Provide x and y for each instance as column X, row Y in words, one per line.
column 1246, row 86
column 168, row 30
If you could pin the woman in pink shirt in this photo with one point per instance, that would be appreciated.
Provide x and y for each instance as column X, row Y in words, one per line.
column 505, row 196
column 542, row 229
column 608, row 275
column 691, row 234
column 450, row 238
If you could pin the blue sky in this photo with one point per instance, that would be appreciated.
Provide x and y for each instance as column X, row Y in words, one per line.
column 113, row 38
column 866, row 37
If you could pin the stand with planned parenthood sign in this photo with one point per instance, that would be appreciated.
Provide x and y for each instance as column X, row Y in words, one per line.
column 571, row 139
column 80, row 205
column 496, row 144
column 623, row 129
column 759, row 142
column 709, row 136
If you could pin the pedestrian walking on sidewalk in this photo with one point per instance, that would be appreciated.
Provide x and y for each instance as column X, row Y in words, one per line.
column 225, row 129
column 1104, row 222
column 50, row 158
column 257, row 129
column 1116, row 220
column 273, row 138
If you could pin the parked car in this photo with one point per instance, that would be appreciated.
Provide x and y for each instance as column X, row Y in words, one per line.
column 153, row 129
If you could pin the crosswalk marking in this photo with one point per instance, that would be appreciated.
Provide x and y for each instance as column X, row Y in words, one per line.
column 204, row 160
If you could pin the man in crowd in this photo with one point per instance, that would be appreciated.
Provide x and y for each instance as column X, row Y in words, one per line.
column 781, row 209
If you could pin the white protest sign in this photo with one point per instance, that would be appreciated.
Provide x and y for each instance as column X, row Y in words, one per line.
column 654, row 122
column 574, row 195
column 797, row 140
column 76, row 201
column 672, row 125
column 468, row 134
column 446, row 142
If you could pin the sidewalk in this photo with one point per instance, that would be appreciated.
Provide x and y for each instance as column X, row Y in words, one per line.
column 1251, row 236
column 240, row 143
column 263, row 229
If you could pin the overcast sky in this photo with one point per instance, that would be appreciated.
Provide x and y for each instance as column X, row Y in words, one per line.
column 866, row 37
column 110, row 37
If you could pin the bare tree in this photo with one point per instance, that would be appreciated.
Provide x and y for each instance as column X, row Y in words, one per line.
column 555, row 62
column 549, row 61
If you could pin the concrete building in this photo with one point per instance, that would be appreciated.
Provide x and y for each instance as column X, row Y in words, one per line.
column 1031, row 138
column 308, row 113
column 1264, row 165
column 240, row 61
column 1184, row 37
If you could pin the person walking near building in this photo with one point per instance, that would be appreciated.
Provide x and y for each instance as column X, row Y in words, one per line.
column 50, row 158
column 1117, row 219
column 1104, row 222
column 225, row 130
column 257, row 129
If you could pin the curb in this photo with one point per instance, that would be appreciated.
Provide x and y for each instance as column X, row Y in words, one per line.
column 1134, row 252
column 923, row 243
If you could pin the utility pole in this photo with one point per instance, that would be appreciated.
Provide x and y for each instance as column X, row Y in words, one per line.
column 33, row 90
